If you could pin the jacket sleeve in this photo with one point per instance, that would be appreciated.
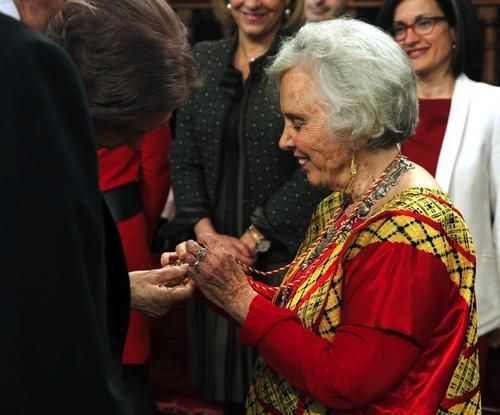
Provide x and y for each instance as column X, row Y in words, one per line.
column 188, row 182
column 494, row 174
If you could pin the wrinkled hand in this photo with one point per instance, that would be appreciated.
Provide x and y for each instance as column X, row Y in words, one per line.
column 236, row 247
column 218, row 275
column 154, row 292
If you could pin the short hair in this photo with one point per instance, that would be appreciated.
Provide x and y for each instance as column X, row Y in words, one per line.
column 365, row 78
column 290, row 25
column 133, row 56
column 460, row 15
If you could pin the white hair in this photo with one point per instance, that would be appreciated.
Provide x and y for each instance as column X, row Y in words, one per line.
column 365, row 78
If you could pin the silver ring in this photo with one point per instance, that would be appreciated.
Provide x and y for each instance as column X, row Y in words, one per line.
column 196, row 266
column 201, row 253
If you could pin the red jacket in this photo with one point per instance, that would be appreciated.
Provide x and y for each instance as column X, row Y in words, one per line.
column 147, row 165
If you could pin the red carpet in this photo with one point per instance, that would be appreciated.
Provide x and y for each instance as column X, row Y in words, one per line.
column 168, row 368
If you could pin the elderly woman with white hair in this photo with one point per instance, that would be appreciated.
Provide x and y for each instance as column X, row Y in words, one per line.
column 376, row 313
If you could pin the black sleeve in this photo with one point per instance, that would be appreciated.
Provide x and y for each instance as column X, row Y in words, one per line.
column 286, row 214
column 55, row 347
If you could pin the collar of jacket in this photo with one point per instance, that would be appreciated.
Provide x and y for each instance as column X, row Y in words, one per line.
column 231, row 79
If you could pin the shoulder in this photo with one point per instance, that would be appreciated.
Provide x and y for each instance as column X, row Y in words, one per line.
column 424, row 218
column 25, row 51
column 482, row 95
column 212, row 49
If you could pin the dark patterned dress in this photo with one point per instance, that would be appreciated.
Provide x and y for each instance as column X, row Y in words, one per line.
column 226, row 165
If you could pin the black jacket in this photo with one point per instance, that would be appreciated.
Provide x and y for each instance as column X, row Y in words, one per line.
column 58, row 288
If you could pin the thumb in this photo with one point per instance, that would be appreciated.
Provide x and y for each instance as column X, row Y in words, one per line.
column 180, row 292
column 171, row 275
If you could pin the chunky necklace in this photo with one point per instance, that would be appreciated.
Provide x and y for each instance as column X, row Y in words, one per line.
column 377, row 190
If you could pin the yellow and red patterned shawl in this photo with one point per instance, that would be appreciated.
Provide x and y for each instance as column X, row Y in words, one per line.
column 422, row 218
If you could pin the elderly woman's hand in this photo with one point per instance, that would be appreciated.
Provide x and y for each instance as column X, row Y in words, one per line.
column 218, row 275
column 153, row 292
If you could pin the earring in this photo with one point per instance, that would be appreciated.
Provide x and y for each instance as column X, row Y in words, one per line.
column 354, row 164
column 228, row 6
column 454, row 46
column 353, row 171
column 287, row 13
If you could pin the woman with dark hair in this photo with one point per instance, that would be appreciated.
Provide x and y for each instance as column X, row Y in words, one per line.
column 230, row 178
column 137, row 68
column 458, row 136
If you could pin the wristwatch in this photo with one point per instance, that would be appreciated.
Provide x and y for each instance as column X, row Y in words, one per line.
column 261, row 243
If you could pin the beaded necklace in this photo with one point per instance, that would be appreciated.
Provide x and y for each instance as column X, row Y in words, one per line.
column 377, row 190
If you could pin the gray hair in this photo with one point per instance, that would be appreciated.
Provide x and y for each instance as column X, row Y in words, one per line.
column 365, row 78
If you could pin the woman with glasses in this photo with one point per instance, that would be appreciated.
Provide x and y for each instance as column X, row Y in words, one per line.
column 458, row 136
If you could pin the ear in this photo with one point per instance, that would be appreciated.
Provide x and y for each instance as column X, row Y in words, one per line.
column 287, row 3
column 453, row 33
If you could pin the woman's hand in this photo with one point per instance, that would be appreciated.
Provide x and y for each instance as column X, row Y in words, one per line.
column 154, row 292
column 218, row 275
column 237, row 248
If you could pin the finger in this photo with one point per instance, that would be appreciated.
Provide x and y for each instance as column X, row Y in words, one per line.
column 234, row 253
column 168, row 258
column 170, row 274
column 192, row 248
column 208, row 240
column 242, row 248
column 180, row 250
column 181, row 292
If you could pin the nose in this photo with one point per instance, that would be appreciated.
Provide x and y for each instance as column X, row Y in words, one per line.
column 411, row 37
column 253, row 4
column 286, row 140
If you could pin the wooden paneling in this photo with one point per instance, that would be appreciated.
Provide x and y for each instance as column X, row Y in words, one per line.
column 488, row 13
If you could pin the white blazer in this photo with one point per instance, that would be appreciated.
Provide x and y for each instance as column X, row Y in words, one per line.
column 469, row 171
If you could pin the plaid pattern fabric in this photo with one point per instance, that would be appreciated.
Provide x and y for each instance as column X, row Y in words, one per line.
column 422, row 218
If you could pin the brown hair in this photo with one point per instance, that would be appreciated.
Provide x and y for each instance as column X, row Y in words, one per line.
column 133, row 55
column 294, row 21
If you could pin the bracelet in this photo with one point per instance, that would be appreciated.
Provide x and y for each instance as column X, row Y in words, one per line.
column 255, row 234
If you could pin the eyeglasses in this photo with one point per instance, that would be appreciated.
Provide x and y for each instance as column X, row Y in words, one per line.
column 422, row 26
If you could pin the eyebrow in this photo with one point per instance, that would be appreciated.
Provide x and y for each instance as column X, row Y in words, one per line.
column 294, row 117
column 420, row 16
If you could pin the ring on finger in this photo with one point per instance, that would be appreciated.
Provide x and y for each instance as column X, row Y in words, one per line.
column 201, row 253
column 196, row 266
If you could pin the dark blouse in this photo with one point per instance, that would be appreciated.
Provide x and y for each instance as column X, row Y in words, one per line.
column 226, row 205
column 424, row 147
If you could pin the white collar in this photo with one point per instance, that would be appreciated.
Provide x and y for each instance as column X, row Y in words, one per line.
column 9, row 8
